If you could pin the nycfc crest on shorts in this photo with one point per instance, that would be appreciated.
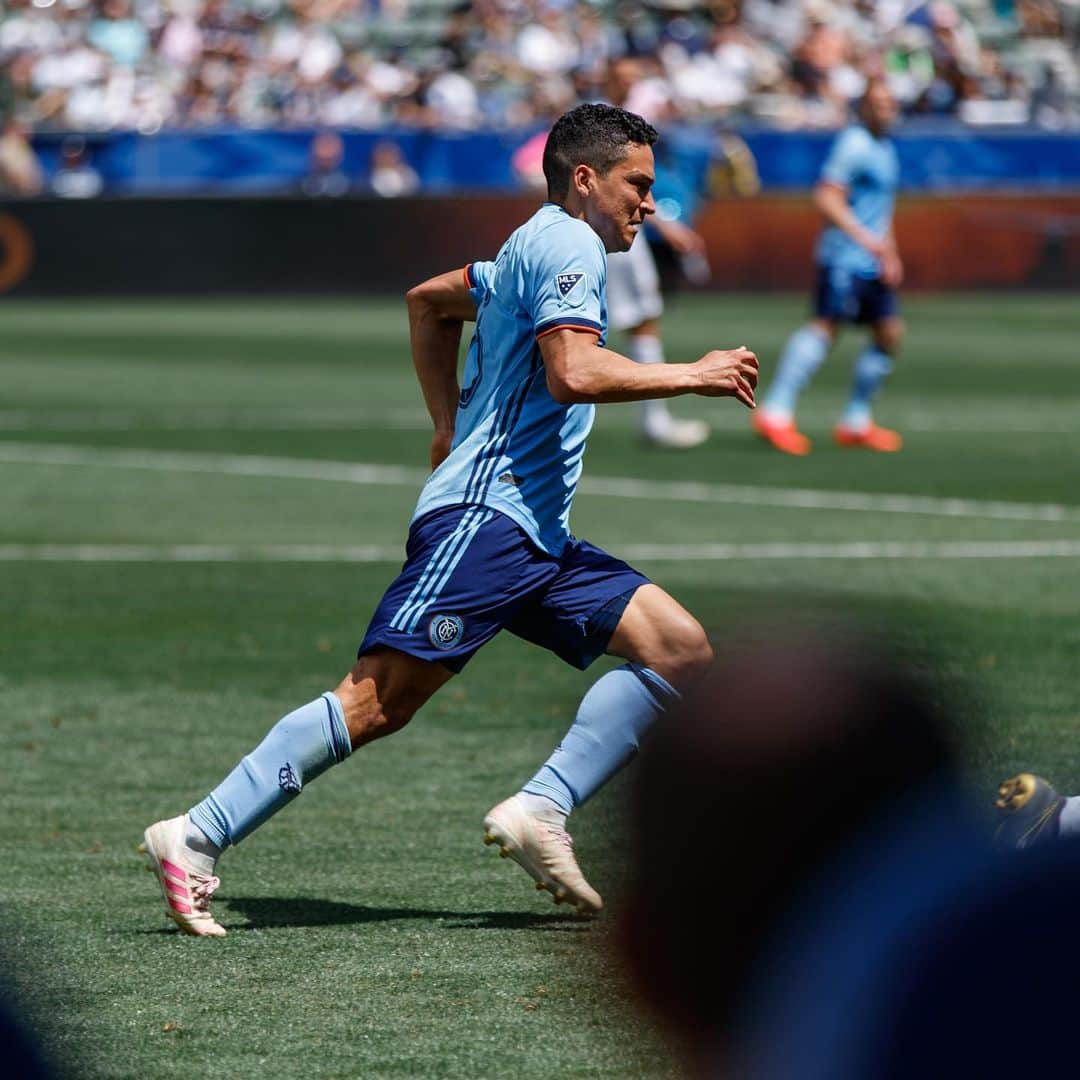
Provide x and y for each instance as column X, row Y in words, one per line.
column 444, row 631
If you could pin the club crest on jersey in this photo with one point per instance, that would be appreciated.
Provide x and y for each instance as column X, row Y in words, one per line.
column 571, row 286
column 444, row 631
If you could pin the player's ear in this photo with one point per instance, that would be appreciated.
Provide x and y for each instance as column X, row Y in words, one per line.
column 583, row 180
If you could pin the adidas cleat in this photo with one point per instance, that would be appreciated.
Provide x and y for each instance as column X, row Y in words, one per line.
column 671, row 433
column 1029, row 808
column 873, row 437
column 541, row 846
column 187, row 893
column 782, row 434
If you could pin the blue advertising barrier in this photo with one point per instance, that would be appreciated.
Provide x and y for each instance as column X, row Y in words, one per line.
column 240, row 162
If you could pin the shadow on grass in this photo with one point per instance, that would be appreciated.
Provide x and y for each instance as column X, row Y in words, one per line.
column 266, row 912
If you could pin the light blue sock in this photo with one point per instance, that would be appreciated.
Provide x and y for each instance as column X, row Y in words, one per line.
column 298, row 748
column 611, row 720
column 871, row 369
column 802, row 356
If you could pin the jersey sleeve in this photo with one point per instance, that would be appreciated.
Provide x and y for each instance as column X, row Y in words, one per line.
column 478, row 277
column 845, row 159
column 567, row 283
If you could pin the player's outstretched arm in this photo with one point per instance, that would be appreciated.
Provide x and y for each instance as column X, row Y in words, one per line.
column 579, row 370
column 438, row 308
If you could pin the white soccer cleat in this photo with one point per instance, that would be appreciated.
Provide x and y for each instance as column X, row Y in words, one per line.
column 674, row 434
column 187, row 892
column 541, row 846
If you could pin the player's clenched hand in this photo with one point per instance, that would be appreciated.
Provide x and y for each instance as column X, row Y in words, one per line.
column 440, row 447
column 892, row 269
column 729, row 373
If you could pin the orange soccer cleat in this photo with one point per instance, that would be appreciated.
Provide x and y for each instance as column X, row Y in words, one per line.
column 783, row 434
column 872, row 438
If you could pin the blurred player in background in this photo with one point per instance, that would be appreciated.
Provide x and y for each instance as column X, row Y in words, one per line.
column 858, row 271
column 489, row 547
column 634, row 296
column 635, row 303
column 635, row 306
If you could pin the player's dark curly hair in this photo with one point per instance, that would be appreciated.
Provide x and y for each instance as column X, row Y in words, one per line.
column 595, row 135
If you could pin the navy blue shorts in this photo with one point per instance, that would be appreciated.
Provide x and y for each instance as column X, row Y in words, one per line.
column 470, row 572
column 842, row 295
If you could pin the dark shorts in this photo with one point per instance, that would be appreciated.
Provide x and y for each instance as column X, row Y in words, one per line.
column 846, row 297
column 470, row 572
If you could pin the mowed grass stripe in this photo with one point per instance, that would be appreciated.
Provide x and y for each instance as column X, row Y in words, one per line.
column 612, row 486
column 371, row 934
column 220, row 553
column 405, row 419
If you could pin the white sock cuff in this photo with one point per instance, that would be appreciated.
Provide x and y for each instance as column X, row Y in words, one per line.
column 646, row 349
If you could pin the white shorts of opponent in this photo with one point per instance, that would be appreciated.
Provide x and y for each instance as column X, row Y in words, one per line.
column 633, row 287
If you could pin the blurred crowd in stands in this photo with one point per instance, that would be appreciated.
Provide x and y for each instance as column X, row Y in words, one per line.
column 97, row 65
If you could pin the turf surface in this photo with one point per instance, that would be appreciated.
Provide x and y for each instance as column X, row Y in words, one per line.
column 371, row 934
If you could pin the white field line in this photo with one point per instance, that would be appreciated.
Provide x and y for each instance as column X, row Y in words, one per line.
column 414, row 419
column 407, row 419
column 310, row 553
column 612, row 486
column 216, row 419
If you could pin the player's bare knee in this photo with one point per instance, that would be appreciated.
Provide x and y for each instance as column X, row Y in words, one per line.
column 370, row 714
column 688, row 652
column 889, row 335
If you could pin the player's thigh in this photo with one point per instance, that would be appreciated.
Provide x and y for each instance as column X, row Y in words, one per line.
column 835, row 298
column 633, row 287
column 657, row 632
column 577, row 611
column 467, row 570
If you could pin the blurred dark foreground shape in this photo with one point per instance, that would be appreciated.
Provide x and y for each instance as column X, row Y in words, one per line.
column 814, row 896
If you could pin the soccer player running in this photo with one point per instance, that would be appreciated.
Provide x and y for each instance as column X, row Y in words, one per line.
column 858, row 271
column 489, row 547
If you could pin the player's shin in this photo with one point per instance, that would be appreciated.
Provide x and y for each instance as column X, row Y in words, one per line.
column 611, row 721
column 872, row 367
column 297, row 749
column 802, row 356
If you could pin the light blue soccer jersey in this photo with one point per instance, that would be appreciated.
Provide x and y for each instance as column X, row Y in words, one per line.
column 515, row 448
column 870, row 170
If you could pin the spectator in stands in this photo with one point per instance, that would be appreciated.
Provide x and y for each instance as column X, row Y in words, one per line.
column 325, row 178
column 76, row 177
column 103, row 64
column 821, row 71
column 20, row 171
column 391, row 175
column 118, row 35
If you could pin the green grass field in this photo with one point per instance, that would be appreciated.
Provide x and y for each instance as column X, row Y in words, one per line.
column 190, row 545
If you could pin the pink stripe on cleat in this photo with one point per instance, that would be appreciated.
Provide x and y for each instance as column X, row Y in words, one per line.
column 173, row 870
column 187, row 892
